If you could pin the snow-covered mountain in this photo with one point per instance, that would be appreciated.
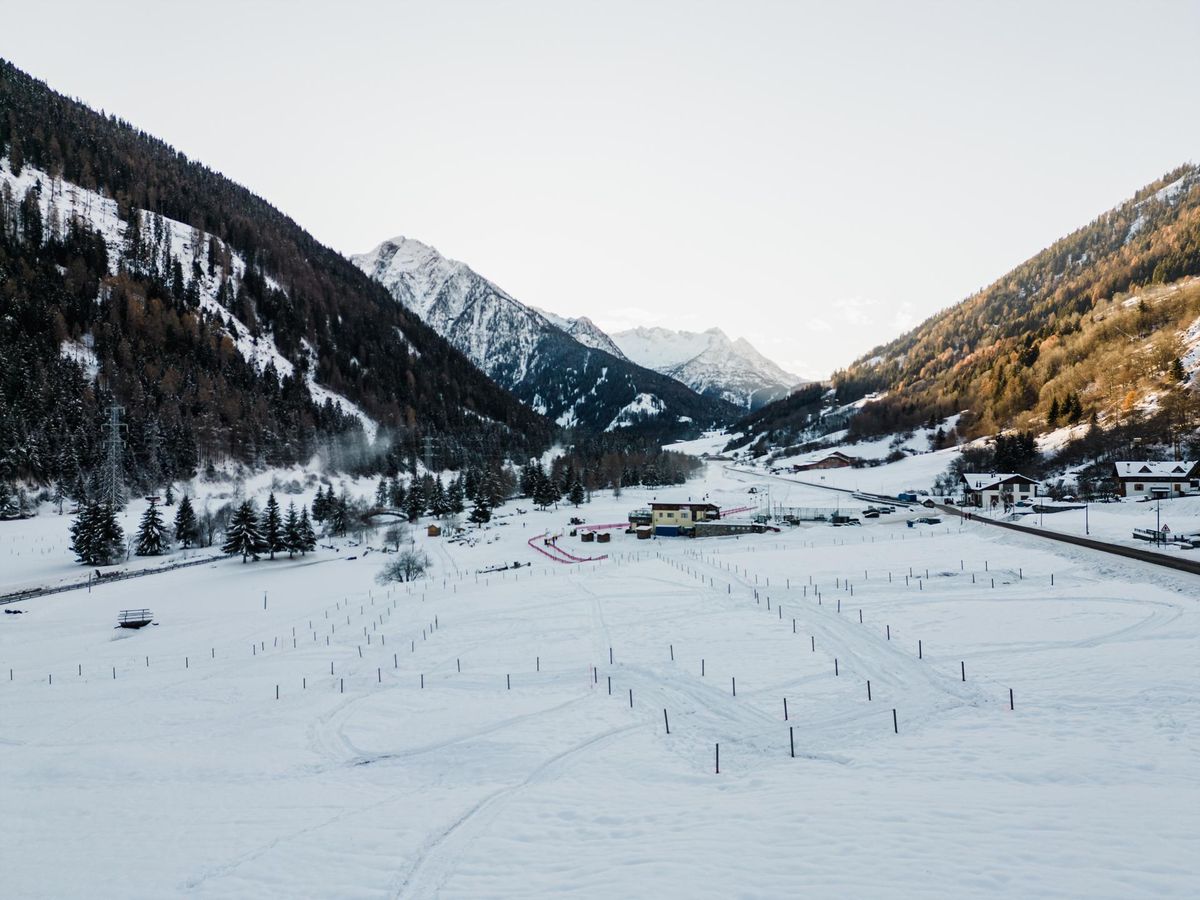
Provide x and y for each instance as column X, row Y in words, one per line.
column 709, row 363
column 569, row 372
column 585, row 331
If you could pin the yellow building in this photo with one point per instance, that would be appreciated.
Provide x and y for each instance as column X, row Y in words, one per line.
column 668, row 518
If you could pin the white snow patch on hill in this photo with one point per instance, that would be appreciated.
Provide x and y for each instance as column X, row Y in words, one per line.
column 641, row 405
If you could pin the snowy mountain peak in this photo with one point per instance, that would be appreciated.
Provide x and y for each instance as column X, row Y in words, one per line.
column 549, row 362
column 710, row 363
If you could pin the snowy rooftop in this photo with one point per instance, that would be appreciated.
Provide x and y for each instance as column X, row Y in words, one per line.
column 982, row 481
column 1133, row 468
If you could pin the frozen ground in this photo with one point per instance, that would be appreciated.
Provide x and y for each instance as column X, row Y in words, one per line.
column 185, row 775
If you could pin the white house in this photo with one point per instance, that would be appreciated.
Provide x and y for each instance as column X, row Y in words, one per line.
column 997, row 489
column 1142, row 478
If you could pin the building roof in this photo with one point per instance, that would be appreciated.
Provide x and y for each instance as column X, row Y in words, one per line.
column 986, row 481
column 684, row 506
column 1139, row 468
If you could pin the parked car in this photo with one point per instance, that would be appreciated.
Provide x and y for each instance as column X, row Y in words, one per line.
column 928, row 504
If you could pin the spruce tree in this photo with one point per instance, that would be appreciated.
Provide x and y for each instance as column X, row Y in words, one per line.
column 319, row 504
column 481, row 512
column 337, row 518
column 381, row 493
column 439, row 504
column 291, row 531
column 83, row 533
column 272, row 527
column 187, row 530
column 8, row 501
column 151, row 537
column 96, row 537
column 414, row 504
column 169, row 497
column 576, row 493
column 396, row 493
column 308, row 537
column 1053, row 413
column 454, row 496
column 242, row 536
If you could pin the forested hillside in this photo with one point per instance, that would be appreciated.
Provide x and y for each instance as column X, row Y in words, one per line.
column 130, row 273
column 1086, row 329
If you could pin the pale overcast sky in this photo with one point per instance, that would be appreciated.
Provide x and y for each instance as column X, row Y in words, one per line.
column 815, row 177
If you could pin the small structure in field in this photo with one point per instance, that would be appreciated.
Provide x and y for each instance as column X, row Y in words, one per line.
column 1143, row 478
column 134, row 618
column 434, row 530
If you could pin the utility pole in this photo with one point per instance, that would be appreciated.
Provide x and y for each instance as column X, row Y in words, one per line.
column 428, row 454
column 114, row 488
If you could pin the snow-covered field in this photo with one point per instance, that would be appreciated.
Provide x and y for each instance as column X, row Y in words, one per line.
column 512, row 772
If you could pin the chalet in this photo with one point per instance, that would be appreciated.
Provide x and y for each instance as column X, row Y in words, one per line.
column 834, row 460
column 1139, row 478
column 997, row 489
column 670, row 519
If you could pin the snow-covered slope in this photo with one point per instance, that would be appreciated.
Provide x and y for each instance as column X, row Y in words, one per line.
column 565, row 369
column 62, row 203
column 709, row 363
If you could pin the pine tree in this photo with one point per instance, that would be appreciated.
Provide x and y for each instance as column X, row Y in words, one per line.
column 575, row 495
column 454, row 496
column 1053, row 413
column 1177, row 370
column 337, row 519
column 319, row 504
column 291, row 532
column 83, row 533
column 439, row 504
column 381, row 493
column 414, row 504
column 308, row 538
column 491, row 487
column 396, row 493
column 8, row 501
column 242, row 536
column 546, row 493
column 187, row 530
column 169, row 499
column 110, row 539
column 96, row 537
column 272, row 527
column 151, row 537
column 481, row 512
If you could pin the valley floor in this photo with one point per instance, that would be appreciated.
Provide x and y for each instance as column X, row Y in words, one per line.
column 457, row 737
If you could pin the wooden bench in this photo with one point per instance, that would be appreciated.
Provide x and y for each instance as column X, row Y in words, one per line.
column 134, row 618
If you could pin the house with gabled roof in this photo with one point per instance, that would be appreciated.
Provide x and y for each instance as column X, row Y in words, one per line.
column 1146, row 478
column 997, row 489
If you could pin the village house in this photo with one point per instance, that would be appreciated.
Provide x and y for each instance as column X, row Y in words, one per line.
column 1142, row 478
column 668, row 519
column 834, row 460
column 997, row 489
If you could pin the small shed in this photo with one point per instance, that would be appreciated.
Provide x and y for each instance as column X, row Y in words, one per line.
column 603, row 537
column 587, row 537
column 434, row 530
